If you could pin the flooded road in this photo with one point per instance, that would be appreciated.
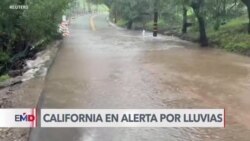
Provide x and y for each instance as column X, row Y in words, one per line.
column 109, row 67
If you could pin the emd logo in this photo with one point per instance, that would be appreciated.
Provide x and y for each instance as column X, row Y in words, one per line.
column 24, row 118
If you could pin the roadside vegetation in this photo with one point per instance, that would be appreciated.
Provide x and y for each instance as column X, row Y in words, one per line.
column 23, row 32
column 219, row 23
column 93, row 6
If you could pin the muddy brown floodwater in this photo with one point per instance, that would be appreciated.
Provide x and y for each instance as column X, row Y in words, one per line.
column 115, row 68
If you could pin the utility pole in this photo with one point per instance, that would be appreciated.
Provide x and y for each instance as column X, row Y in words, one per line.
column 155, row 27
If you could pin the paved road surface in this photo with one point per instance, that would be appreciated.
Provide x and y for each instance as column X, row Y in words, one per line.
column 101, row 66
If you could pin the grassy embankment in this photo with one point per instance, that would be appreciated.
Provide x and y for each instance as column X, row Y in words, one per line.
column 4, row 77
column 231, row 36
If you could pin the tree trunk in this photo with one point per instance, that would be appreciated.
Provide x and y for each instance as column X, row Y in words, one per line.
column 197, row 6
column 89, row 7
column 248, row 9
column 129, row 25
column 184, row 24
column 96, row 8
column 115, row 9
column 202, row 28
column 115, row 16
column 247, row 3
column 84, row 7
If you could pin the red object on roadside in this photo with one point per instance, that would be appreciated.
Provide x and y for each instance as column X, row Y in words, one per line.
column 64, row 28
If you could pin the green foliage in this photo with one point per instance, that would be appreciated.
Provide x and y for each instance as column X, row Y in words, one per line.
column 39, row 21
column 130, row 10
column 237, row 25
column 4, row 77
column 42, row 19
column 22, row 28
column 233, row 36
column 239, row 43
column 163, row 25
column 149, row 25
column 223, row 19
column 122, row 22
column 4, row 57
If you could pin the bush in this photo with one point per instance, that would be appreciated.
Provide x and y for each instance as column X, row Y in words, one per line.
column 232, row 36
column 4, row 57
column 162, row 25
column 4, row 77
column 122, row 23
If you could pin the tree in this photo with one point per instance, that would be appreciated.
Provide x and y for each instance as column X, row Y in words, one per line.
column 198, row 7
column 89, row 5
column 184, row 4
column 20, row 29
column 178, row 15
column 247, row 3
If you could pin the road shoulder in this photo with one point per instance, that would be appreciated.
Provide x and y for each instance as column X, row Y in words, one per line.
column 27, row 94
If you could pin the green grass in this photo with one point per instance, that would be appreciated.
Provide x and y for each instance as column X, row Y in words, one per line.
column 162, row 25
column 233, row 36
column 121, row 23
column 4, row 77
